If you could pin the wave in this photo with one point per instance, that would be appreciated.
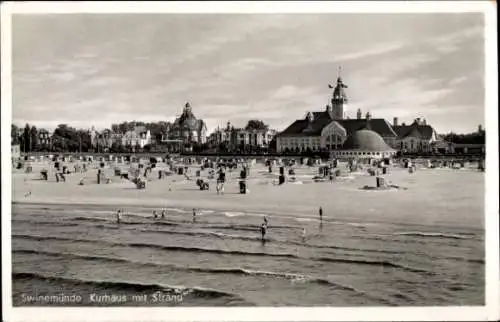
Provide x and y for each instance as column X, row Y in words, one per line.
column 233, row 227
column 156, row 246
column 221, row 235
column 204, row 212
column 375, row 263
column 232, row 252
column 130, row 287
column 48, row 223
column 233, row 214
column 94, row 219
column 305, row 219
column 108, row 212
column 293, row 277
column 432, row 234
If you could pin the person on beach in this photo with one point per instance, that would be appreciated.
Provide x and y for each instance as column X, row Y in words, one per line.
column 304, row 235
column 118, row 216
column 155, row 214
column 265, row 220
column 320, row 213
column 194, row 215
column 263, row 231
column 163, row 212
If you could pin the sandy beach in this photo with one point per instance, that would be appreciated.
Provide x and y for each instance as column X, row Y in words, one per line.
column 430, row 199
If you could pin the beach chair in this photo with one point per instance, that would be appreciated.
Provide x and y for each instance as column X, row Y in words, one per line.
column 140, row 184
column 44, row 175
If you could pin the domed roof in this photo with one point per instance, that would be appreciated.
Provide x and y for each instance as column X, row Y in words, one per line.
column 366, row 140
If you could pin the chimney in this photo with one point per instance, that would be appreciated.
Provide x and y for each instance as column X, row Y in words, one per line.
column 395, row 121
column 480, row 128
column 358, row 114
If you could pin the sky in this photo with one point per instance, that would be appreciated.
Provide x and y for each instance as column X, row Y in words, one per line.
column 97, row 69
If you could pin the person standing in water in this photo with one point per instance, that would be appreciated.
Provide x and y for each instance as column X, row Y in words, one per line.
column 265, row 220
column 155, row 214
column 320, row 213
column 194, row 215
column 118, row 216
column 263, row 231
column 304, row 235
column 163, row 214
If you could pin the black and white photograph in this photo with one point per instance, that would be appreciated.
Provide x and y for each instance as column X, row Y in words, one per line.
column 255, row 159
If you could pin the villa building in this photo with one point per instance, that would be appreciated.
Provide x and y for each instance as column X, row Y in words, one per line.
column 240, row 138
column 187, row 128
column 416, row 137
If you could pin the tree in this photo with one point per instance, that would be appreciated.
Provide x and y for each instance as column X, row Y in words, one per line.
column 469, row 138
column 14, row 134
column 34, row 138
column 273, row 145
column 256, row 125
column 147, row 148
column 85, row 141
column 26, row 141
column 66, row 138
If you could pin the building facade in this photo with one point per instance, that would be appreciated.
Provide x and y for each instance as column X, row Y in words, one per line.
column 416, row 137
column 44, row 140
column 187, row 128
column 138, row 137
column 233, row 138
column 328, row 130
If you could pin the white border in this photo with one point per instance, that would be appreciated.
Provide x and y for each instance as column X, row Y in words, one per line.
column 488, row 312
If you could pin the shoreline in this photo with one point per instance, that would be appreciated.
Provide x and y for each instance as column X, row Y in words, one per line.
column 253, row 211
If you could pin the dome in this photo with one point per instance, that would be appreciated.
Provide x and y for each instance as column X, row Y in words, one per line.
column 366, row 140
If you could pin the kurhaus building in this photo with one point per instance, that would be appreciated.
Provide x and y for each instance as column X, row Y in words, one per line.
column 328, row 130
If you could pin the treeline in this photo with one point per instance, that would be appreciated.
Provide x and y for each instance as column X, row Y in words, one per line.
column 69, row 139
column 64, row 138
column 469, row 138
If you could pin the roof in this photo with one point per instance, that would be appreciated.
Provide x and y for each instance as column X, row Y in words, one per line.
column 380, row 126
column 414, row 130
column 322, row 119
column 187, row 120
column 366, row 140
column 305, row 128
